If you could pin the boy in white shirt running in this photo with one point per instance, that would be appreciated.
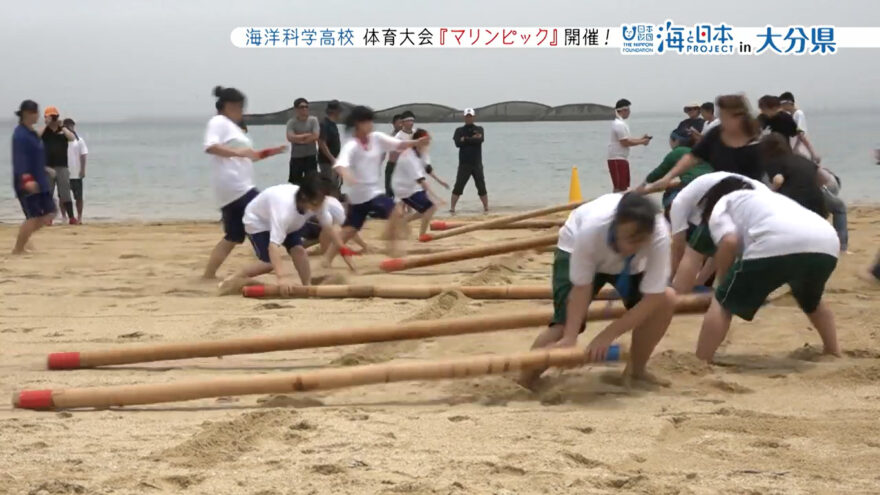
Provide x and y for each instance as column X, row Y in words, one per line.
column 410, row 185
column 618, row 239
column 766, row 240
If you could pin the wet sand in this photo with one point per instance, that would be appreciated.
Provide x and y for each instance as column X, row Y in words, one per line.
column 772, row 417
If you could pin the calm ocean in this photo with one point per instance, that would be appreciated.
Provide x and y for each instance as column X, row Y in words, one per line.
column 155, row 171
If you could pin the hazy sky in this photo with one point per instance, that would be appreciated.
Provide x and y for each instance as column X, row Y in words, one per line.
column 115, row 59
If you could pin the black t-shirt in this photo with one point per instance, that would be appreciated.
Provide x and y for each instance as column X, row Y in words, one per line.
column 744, row 160
column 330, row 135
column 470, row 149
column 55, row 143
column 782, row 123
column 800, row 181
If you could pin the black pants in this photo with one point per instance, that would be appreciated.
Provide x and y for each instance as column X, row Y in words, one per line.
column 302, row 167
column 389, row 172
column 465, row 172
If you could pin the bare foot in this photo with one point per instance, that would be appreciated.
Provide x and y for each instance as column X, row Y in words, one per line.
column 18, row 252
column 231, row 285
column 644, row 379
column 529, row 381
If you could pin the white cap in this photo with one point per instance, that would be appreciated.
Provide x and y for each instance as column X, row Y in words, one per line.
column 469, row 111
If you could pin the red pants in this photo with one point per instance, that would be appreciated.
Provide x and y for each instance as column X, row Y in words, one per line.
column 619, row 170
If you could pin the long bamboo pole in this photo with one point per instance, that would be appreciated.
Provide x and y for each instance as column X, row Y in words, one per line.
column 128, row 395
column 407, row 291
column 343, row 336
column 498, row 221
column 439, row 225
column 397, row 264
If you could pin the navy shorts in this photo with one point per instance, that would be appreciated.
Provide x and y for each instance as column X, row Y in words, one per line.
column 378, row 207
column 419, row 202
column 311, row 230
column 37, row 205
column 261, row 241
column 233, row 214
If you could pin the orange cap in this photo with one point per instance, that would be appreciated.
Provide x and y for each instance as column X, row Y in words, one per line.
column 50, row 110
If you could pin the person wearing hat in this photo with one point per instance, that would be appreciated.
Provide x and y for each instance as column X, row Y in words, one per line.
column 30, row 181
column 77, row 151
column 693, row 123
column 329, row 145
column 618, row 148
column 55, row 140
column 469, row 141
column 303, row 131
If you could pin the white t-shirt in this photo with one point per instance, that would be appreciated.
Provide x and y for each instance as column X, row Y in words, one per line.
column 619, row 130
column 335, row 209
column 581, row 216
column 232, row 176
column 797, row 145
column 770, row 224
column 410, row 169
column 685, row 207
column 592, row 254
column 708, row 126
column 365, row 164
column 75, row 149
column 274, row 211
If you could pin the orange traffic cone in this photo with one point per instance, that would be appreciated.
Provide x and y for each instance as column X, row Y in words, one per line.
column 574, row 187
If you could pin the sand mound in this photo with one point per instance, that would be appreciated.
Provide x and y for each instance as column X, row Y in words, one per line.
column 852, row 375
column 489, row 391
column 682, row 363
column 808, row 352
column 330, row 279
column 446, row 304
column 56, row 487
column 227, row 440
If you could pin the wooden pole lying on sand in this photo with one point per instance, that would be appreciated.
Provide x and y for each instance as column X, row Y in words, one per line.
column 397, row 264
column 343, row 336
column 407, row 291
column 498, row 221
column 128, row 395
column 524, row 224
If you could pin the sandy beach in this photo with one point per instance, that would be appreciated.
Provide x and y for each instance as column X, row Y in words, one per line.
column 772, row 417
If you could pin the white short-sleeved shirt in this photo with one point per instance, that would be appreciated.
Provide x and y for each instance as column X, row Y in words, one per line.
column 770, row 224
column 408, row 172
column 232, row 176
column 75, row 149
column 592, row 254
column 685, row 207
column 274, row 210
column 708, row 126
column 619, row 130
column 365, row 164
column 584, row 215
column 335, row 209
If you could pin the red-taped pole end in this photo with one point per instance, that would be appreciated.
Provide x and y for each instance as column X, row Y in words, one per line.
column 392, row 264
column 63, row 361
column 253, row 291
column 438, row 225
column 33, row 399
column 425, row 238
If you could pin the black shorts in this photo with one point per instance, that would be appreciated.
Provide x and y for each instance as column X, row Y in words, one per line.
column 378, row 207
column 465, row 172
column 419, row 202
column 260, row 241
column 76, row 188
column 302, row 167
column 233, row 214
column 311, row 230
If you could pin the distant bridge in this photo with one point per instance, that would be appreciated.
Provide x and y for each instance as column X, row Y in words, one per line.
column 507, row 111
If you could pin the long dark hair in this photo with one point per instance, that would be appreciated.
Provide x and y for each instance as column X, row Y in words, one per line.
column 227, row 95
column 718, row 191
column 739, row 107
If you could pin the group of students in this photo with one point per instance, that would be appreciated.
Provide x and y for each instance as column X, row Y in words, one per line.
column 733, row 220
column 288, row 217
column 43, row 160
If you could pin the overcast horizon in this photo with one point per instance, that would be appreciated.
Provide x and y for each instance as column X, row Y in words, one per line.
column 107, row 61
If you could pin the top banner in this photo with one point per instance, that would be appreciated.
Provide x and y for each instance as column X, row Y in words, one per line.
column 629, row 39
